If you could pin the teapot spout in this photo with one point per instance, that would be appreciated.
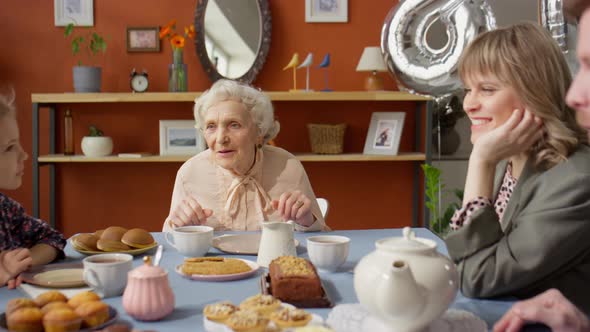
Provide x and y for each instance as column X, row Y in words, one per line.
column 398, row 296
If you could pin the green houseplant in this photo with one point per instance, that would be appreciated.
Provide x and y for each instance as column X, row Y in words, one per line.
column 86, row 78
column 95, row 144
column 439, row 222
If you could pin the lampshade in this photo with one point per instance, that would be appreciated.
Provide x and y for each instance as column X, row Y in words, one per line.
column 371, row 60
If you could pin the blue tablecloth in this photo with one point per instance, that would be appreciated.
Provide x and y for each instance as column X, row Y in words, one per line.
column 192, row 296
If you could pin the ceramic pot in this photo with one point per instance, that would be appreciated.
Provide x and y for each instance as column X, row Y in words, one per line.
column 148, row 295
column 97, row 146
column 87, row 79
column 406, row 282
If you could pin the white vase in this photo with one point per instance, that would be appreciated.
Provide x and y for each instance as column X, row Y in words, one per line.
column 97, row 146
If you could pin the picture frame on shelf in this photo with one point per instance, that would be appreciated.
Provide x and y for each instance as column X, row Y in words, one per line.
column 79, row 12
column 326, row 11
column 143, row 39
column 180, row 138
column 384, row 134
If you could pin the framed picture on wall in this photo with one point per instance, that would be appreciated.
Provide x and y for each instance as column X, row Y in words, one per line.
column 384, row 133
column 79, row 12
column 143, row 39
column 180, row 137
column 326, row 10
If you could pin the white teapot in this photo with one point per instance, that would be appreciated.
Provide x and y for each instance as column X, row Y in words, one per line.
column 406, row 282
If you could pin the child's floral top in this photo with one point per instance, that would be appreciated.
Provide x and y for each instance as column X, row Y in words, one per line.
column 20, row 230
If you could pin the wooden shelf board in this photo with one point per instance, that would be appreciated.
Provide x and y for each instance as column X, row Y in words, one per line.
column 308, row 157
column 122, row 97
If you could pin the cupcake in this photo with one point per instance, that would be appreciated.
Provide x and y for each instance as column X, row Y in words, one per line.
column 50, row 296
column 247, row 321
column 264, row 304
column 219, row 312
column 287, row 317
column 82, row 297
column 93, row 313
column 25, row 319
column 61, row 320
column 54, row 305
column 18, row 303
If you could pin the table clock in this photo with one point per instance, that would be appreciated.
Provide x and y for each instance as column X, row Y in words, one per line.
column 139, row 81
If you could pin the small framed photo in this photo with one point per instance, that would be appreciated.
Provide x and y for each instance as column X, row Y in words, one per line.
column 143, row 39
column 79, row 12
column 180, row 137
column 384, row 133
column 326, row 10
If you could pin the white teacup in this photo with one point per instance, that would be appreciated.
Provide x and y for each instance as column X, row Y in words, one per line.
column 193, row 241
column 327, row 252
column 107, row 273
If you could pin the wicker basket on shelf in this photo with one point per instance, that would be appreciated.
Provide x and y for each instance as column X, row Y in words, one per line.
column 326, row 138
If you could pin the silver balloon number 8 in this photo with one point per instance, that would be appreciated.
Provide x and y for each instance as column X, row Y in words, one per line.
column 420, row 67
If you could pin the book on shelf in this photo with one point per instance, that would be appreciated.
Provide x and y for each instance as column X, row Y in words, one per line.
column 134, row 154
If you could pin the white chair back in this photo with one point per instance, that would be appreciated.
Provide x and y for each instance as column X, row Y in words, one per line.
column 324, row 206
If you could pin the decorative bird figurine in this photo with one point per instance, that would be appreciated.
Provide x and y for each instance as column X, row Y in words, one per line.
column 293, row 64
column 306, row 64
column 325, row 64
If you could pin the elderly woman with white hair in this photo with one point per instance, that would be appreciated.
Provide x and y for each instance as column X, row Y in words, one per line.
column 240, row 180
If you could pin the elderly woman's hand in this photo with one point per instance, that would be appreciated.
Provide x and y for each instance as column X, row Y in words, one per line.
column 294, row 205
column 550, row 308
column 189, row 212
column 515, row 136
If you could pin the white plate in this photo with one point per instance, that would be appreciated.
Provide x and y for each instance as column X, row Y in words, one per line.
column 211, row 326
column 221, row 277
column 241, row 244
column 66, row 275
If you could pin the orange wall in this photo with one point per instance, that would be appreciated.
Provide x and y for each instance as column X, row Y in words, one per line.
column 37, row 59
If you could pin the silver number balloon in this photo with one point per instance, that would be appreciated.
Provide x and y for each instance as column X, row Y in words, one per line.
column 564, row 34
column 418, row 67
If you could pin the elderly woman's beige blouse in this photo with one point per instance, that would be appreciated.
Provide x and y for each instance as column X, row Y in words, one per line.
column 242, row 202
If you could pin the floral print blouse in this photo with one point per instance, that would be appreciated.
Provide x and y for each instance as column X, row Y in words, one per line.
column 463, row 215
column 20, row 230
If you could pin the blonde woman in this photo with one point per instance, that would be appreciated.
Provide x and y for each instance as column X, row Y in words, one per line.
column 525, row 221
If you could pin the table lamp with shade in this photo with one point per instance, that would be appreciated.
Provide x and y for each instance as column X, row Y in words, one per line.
column 372, row 60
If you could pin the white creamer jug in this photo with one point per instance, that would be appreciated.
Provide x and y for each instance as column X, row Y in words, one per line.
column 276, row 240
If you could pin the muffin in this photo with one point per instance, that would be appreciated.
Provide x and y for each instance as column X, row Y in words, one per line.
column 247, row 321
column 138, row 238
column 50, row 296
column 61, row 320
column 18, row 303
column 220, row 311
column 25, row 319
column 54, row 305
column 93, row 313
column 263, row 304
column 287, row 317
column 82, row 297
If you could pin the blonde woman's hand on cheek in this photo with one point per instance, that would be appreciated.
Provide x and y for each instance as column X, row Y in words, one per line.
column 294, row 205
column 516, row 135
column 550, row 308
column 189, row 212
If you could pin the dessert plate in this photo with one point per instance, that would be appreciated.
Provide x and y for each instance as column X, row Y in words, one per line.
column 66, row 275
column 241, row 244
column 113, row 316
column 211, row 326
column 221, row 277
column 133, row 252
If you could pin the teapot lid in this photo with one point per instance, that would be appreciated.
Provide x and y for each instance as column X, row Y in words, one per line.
column 147, row 270
column 408, row 242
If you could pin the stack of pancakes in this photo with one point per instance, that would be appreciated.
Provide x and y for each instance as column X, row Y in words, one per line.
column 113, row 239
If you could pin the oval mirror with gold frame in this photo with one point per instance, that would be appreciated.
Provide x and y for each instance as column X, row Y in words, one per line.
column 232, row 37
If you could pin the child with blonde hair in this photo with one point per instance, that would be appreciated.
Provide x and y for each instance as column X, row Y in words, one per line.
column 24, row 241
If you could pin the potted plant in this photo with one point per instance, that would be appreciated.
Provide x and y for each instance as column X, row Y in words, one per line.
column 86, row 78
column 95, row 144
column 439, row 222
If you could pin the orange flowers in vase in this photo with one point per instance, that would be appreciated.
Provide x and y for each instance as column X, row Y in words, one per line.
column 177, row 80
